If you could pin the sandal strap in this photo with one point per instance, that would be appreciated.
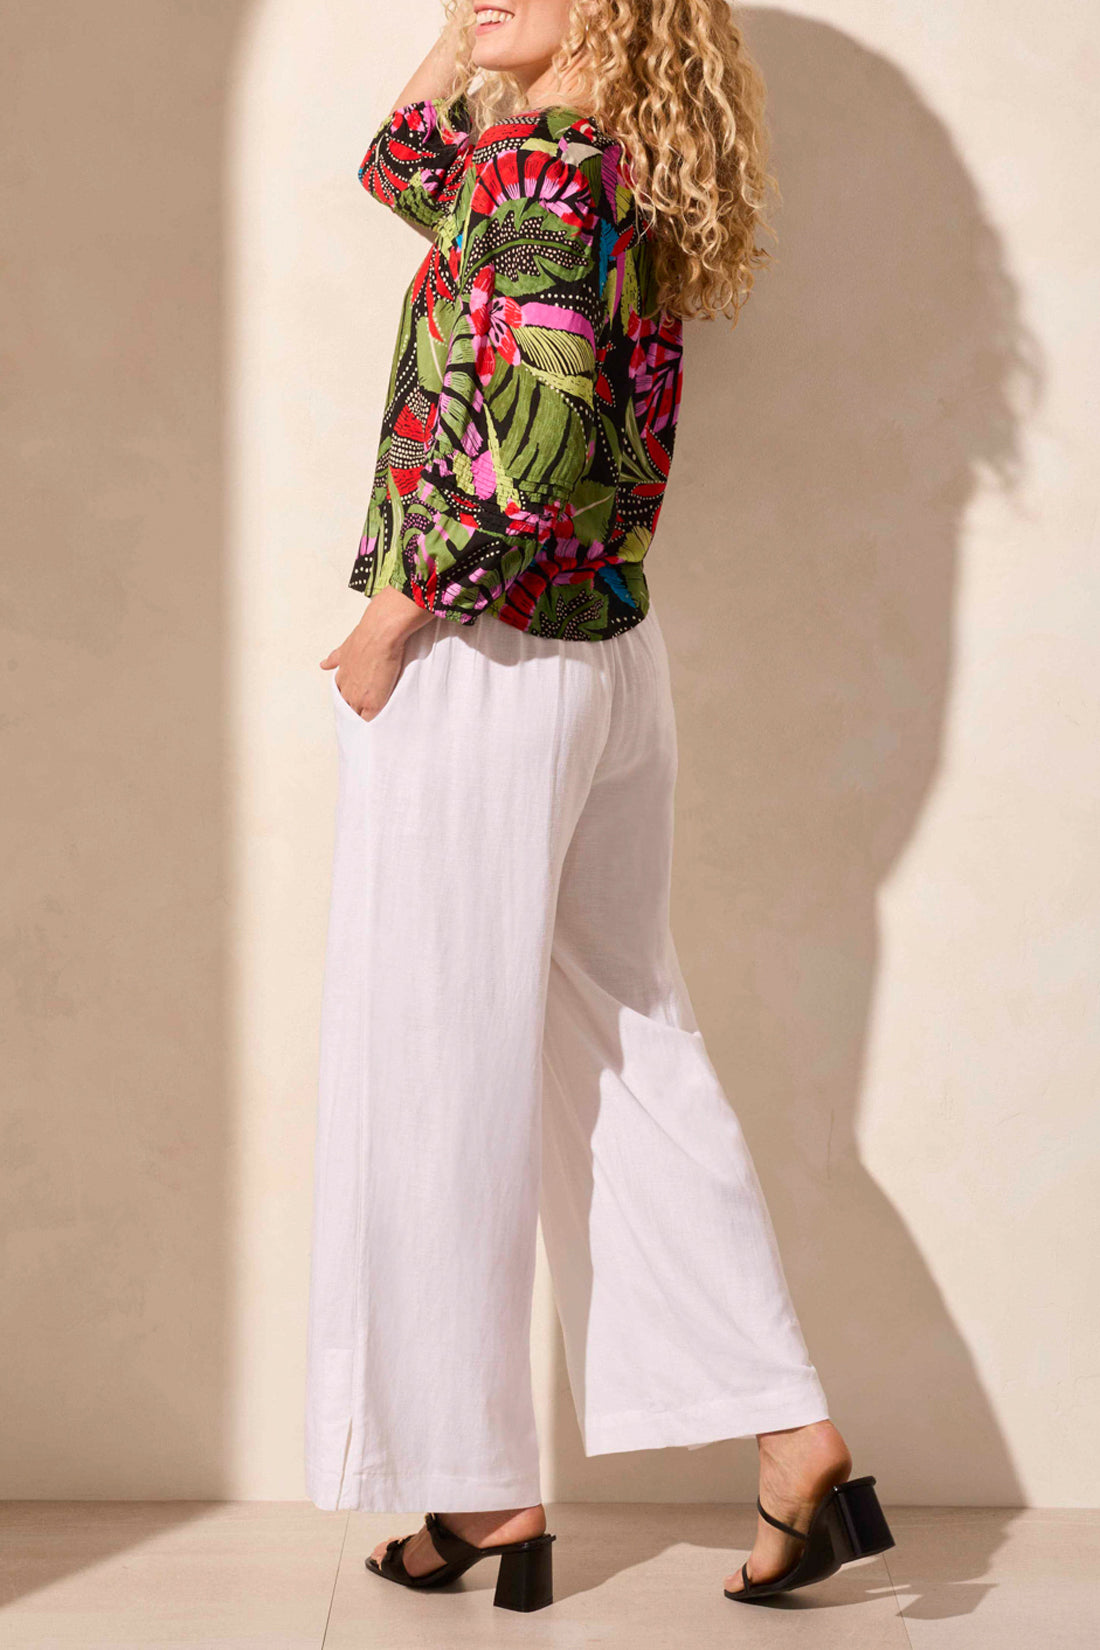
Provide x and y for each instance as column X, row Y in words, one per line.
column 778, row 1523
column 447, row 1544
column 392, row 1564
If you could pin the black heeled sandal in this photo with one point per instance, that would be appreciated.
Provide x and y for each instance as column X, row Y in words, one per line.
column 848, row 1524
column 524, row 1579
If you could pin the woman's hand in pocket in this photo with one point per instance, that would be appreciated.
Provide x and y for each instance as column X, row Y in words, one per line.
column 368, row 662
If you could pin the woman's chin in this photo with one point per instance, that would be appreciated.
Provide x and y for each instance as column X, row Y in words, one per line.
column 485, row 57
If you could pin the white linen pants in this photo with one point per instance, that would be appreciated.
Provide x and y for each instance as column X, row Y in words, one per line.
column 505, row 1030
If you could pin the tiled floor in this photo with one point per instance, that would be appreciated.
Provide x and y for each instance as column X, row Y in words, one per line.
column 108, row 1576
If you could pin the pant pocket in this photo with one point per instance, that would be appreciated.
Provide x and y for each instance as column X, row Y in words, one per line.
column 350, row 713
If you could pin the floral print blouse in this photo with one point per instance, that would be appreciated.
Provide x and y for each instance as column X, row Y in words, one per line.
column 535, row 385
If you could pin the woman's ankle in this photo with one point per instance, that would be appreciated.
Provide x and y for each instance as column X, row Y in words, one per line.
column 817, row 1448
column 504, row 1524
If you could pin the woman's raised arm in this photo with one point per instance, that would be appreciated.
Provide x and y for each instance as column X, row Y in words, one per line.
column 417, row 151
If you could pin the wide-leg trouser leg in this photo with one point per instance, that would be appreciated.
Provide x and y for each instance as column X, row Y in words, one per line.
column 676, row 1316
column 502, row 1012
column 455, row 807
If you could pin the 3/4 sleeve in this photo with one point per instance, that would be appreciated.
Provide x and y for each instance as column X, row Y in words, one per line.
column 416, row 159
column 516, row 414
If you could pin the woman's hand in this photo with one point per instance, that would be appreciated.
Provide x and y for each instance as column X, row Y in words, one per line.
column 368, row 662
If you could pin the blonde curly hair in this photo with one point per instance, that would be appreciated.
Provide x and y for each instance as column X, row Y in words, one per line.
column 673, row 82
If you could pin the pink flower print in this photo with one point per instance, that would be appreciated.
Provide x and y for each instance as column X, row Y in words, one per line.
column 655, row 371
column 492, row 319
column 521, row 522
column 485, row 476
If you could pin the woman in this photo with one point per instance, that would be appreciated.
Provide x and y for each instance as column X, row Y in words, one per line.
column 505, row 1027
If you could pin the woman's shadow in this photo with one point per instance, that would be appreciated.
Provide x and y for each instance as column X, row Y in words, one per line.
column 805, row 571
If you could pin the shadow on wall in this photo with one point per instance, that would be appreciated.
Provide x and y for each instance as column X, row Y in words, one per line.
column 827, row 451
column 116, row 1151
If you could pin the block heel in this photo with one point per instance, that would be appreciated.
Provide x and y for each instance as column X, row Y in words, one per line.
column 860, row 1521
column 849, row 1523
column 524, row 1579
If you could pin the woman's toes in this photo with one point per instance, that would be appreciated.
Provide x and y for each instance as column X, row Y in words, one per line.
column 418, row 1555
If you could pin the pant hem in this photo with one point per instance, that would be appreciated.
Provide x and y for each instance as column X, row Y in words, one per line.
column 704, row 1423
column 424, row 1492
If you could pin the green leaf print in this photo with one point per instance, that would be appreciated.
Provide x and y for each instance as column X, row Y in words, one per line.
column 527, row 253
column 573, row 609
column 563, row 359
column 541, row 438
column 431, row 353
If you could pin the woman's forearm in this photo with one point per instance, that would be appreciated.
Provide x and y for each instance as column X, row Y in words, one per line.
column 391, row 616
column 433, row 77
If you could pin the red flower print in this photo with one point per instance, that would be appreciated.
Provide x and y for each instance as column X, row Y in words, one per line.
column 532, row 175
column 492, row 319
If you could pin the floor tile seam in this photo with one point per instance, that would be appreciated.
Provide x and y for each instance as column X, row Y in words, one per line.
column 897, row 1600
column 335, row 1580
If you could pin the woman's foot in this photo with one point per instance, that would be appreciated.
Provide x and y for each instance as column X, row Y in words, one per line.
column 798, row 1467
column 481, row 1529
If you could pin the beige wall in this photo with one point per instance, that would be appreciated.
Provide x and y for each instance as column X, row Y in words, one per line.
column 874, row 572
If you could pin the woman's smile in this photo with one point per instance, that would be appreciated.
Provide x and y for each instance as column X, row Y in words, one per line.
column 491, row 17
